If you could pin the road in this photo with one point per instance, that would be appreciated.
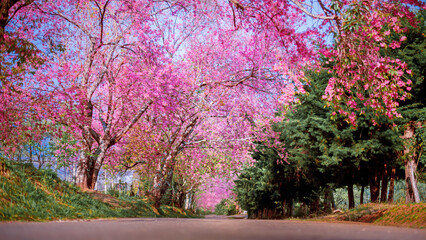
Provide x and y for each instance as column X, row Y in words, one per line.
column 200, row 229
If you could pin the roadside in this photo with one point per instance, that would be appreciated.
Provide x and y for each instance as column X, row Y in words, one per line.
column 221, row 217
column 30, row 194
column 411, row 215
column 402, row 215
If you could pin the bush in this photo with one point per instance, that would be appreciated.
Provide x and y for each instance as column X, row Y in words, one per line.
column 226, row 207
column 113, row 192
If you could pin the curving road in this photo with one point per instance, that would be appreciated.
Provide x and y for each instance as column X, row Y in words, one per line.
column 199, row 229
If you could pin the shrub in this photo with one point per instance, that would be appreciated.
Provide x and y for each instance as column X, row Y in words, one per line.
column 226, row 207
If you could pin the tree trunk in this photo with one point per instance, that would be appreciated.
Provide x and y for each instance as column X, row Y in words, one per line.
column 82, row 169
column 265, row 213
column 314, row 206
column 19, row 153
column 90, row 162
column 158, row 187
column 333, row 202
column 87, row 174
column 384, row 191
column 162, row 179
column 351, row 196
column 105, row 181
column 89, row 166
column 374, row 186
column 188, row 198
column 410, row 154
column 30, row 153
column 290, row 208
column 270, row 213
column 164, row 173
column 391, row 185
column 327, row 200
column 179, row 198
column 284, row 208
column 361, row 198
column 412, row 193
column 329, row 203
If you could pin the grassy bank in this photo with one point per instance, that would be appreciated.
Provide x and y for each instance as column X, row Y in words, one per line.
column 29, row 194
column 405, row 215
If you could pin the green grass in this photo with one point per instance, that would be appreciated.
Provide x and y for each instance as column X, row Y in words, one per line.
column 410, row 215
column 29, row 194
column 405, row 215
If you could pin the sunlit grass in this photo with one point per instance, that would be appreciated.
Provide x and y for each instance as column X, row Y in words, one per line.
column 401, row 214
column 29, row 194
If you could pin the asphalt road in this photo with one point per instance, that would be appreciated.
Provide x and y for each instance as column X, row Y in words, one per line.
column 199, row 229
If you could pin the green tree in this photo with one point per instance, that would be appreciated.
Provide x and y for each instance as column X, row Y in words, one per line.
column 413, row 109
column 322, row 153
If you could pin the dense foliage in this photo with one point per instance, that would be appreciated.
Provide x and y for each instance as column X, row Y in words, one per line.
column 322, row 154
column 325, row 151
column 226, row 207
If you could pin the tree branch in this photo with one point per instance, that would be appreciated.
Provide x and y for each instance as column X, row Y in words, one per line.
column 299, row 5
column 223, row 140
column 237, row 4
column 127, row 167
column 123, row 131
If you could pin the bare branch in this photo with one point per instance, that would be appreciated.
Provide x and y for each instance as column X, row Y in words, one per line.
column 127, row 167
column 222, row 140
column 7, row 19
column 299, row 5
column 94, row 135
column 237, row 4
column 324, row 7
column 123, row 131
column 101, row 18
column 68, row 20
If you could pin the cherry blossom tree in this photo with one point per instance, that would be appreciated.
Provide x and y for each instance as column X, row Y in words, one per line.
column 97, row 80
column 226, row 77
column 18, row 58
column 196, row 74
